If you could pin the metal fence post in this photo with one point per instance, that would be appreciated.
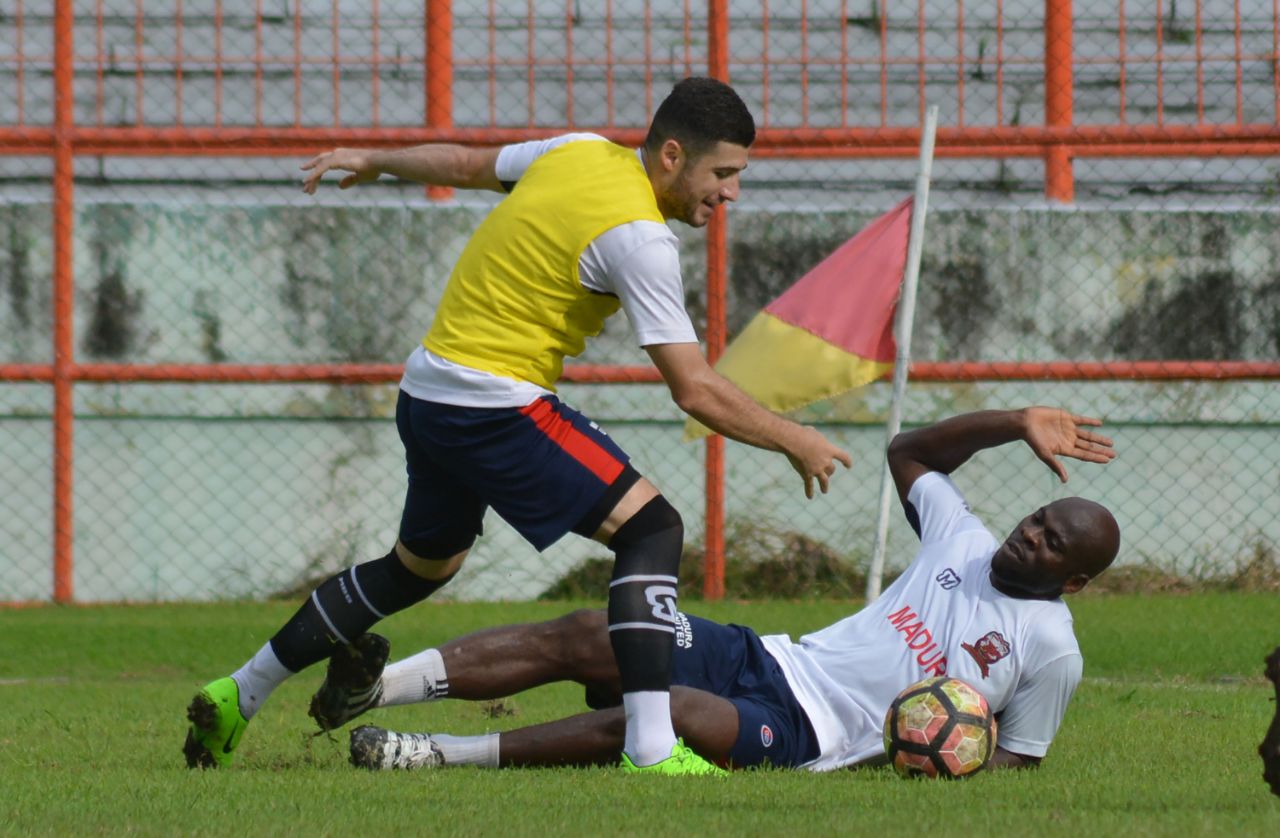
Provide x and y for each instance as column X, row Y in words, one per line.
column 63, row 297
column 1058, row 94
column 438, row 78
column 713, row 579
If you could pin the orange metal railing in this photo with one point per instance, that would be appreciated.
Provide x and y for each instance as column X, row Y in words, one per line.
column 728, row 55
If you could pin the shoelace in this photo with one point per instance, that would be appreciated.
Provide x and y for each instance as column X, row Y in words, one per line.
column 414, row 750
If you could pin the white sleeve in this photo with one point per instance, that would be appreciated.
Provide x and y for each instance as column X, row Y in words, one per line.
column 1030, row 720
column 936, row 509
column 649, row 285
column 640, row 264
column 513, row 160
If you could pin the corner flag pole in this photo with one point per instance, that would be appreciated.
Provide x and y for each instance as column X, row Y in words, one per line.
column 902, row 329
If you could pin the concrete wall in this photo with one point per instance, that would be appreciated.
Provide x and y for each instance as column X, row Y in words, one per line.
column 217, row 491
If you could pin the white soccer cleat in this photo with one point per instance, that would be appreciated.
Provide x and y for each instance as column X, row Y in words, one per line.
column 378, row 749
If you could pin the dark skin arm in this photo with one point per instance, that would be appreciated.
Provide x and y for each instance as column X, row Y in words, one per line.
column 1000, row 759
column 947, row 445
column 1008, row 759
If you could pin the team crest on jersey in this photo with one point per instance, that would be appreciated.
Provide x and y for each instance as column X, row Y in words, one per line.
column 987, row 649
column 766, row 735
column 948, row 579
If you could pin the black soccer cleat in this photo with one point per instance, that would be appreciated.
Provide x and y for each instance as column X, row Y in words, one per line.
column 352, row 683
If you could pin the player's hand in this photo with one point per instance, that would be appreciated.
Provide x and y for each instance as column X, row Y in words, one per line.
column 352, row 160
column 814, row 458
column 1054, row 433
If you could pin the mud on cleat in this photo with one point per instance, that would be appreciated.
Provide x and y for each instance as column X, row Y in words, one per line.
column 216, row 725
column 352, row 683
column 378, row 749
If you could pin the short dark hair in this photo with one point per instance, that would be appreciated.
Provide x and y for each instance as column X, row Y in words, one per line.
column 698, row 113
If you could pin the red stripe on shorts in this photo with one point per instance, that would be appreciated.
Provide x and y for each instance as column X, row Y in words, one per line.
column 574, row 442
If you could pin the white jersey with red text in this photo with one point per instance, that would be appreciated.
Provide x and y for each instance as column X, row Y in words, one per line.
column 941, row 617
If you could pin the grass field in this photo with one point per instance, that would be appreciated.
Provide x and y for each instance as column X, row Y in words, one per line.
column 1159, row 740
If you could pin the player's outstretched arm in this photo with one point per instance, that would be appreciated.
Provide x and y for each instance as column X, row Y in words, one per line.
column 437, row 164
column 1269, row 750
column 946, row 445
column 717, row 403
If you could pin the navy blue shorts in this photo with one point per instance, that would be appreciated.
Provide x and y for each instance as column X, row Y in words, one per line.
column 545, row 468
column 731, row 662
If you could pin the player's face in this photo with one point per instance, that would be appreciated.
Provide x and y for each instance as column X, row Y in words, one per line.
column 1038, row 558
column 703, row 183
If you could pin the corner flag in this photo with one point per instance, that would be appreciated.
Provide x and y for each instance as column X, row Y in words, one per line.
column 831, row 331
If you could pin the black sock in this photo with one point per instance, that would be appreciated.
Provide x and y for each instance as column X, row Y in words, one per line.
column 345, row 606
column 642, row 595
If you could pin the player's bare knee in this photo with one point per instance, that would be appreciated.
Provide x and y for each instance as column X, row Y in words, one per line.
column 635, row 499
column 585, row 622
column 579, row 641
column 430, row 561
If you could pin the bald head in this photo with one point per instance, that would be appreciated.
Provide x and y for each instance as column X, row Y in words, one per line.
column 1092, row 534
column 1055, row 550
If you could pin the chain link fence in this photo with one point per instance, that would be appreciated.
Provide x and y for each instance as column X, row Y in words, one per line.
column 1138, row 226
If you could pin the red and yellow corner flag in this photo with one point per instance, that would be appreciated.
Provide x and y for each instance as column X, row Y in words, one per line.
column 830, row 332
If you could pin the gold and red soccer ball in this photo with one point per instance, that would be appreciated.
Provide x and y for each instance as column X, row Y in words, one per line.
column 939, row 727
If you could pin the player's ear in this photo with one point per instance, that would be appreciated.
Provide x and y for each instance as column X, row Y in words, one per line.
column 671, row 154
column 1075, row 583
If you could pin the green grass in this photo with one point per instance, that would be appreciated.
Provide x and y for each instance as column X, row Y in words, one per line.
column 1159, row 739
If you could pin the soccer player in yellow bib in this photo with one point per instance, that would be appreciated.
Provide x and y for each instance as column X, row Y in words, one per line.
column 581, row 234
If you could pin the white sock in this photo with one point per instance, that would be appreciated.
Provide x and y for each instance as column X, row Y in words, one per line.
column 479, row 750
column 417, row 678
column 257, row 678
column 650, row 735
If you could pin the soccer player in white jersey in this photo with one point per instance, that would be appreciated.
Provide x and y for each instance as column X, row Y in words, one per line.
column 968, row 606
column 581, row 234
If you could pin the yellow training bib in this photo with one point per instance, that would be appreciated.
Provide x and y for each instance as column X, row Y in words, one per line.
column 514, row 305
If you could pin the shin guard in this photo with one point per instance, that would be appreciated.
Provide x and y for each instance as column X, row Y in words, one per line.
column 642, row 595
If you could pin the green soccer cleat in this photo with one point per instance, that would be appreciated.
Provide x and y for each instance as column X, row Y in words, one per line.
column 216, row 725
column 682, row 761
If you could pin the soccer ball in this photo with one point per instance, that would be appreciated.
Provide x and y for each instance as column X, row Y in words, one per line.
column 939, row 727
